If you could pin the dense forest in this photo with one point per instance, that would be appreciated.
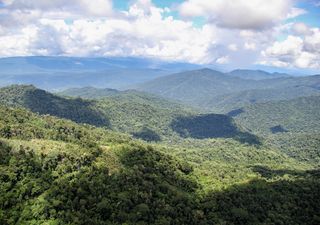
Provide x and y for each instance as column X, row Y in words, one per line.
column 55, row 171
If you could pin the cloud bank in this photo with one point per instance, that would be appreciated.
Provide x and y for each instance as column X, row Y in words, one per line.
column 238, row 33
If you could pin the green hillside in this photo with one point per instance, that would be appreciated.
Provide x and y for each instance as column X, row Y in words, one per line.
column 55, row 171
column 130, row 112
column 228, row 102
column 194, row 87
column 292, row 126
column 218, row 92
column 89, row 92
column 255, row 74
column 143, row 115
column 296, row 115
column 43, row 102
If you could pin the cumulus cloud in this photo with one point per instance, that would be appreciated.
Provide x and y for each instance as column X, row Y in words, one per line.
column 249, row 46
column 223, row 60
column 295, row 51
column 93, row 28
column 141, row 31
column 301, row 29
column 233, row 47
column 241, row 14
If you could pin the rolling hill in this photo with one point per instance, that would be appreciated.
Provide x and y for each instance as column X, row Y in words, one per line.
column 218, row 92
column 292, row 126
column 296, row 115
column 89, row 92
column 228, row 102
column 143, row 115
column 194, row 87
column 55, row 171
column 255, row 74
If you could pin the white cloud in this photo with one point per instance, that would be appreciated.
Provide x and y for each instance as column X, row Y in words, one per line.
column 233, row 47
column 141, row 31
column 223, row 60
column 295, row 51
column 32, row 27
column 250, row 46
column 295, row 12
column 241, row 14
column 301, row 29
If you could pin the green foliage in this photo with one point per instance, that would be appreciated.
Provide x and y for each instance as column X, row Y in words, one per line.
column 211, row 126
column 66, row 189
column 292, row 126
column 89, row 92
column 222, row 92
column 297, row 115
column 54, row 171
column 285, row 201
column 42, row 102
column 301, row 146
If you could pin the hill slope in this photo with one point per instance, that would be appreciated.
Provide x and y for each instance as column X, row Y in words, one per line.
column 143, row 115
column 43, row 102
column 228, row 102
column 296, row 115
column 293, row 126
column 255, row 74
column 218, row 92
column 194, row 87
column 54, row 171
column 89, row 92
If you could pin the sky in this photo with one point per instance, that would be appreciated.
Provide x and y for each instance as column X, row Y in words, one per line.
column 282, row 34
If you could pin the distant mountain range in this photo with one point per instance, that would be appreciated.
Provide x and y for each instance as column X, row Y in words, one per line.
column 57, row 73
column 255, row 74
column 218, row 92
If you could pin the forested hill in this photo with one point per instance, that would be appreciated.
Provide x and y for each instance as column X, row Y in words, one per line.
column 143, row 115
column 89, row 92
column 43, row 102
column 55, row 171
column 296, row 115
column 256, row 74
column 193, row 87
column 293, row 126
column 222, row 92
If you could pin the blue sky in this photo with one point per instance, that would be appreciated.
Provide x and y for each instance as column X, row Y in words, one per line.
column 278, row 34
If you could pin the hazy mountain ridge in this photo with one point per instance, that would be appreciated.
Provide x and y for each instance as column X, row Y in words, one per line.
column 89, row 92
column 215, row 91
column 256, row 74
column 58, row 73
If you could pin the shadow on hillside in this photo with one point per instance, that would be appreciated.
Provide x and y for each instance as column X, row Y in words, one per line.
column 211, row 126
column 265, row 202
column 235, row 112
column 270, row 173
column 147, row 134
column 77, row 110
column 278, row 129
